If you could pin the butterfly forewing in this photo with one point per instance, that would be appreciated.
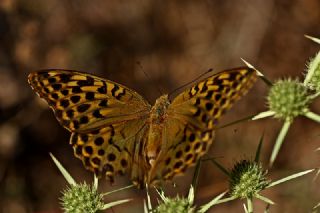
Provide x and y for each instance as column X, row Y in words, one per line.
column 206, row 101
column 83, row 102
column 192, row 117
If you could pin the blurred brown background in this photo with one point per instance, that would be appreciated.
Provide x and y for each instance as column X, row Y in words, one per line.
column 175, row 41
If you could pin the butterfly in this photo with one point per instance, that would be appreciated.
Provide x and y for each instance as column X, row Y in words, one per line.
column 114, row 130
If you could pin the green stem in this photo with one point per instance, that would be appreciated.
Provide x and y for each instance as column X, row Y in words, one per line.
column 249, row 205
column 117, row 190
column 313, row 116
column 279, row 141
column 225, row 200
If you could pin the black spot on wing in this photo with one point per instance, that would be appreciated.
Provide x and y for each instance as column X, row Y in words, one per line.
column 99, row 141
column 54, row 96
column 76, row 124
column 103, row 89
column 45, row 74
column 84, row 119
column 78, row 150
column 83, row 107
column 56, row 87
column 70, row 113
column 192, row 137
column 218, row 81
column 217, row 97
column 103, row 103
column 121, row 94
column 90, row 96
column 96, row 161
column 65, row 92
column 84, row 137
column 124, row 163
column 114, row 90
column 196, row 88
column 74, row 139
column 209, row 106
column 168, row 160
column 97, row 114
column 223, row 101
column 88, row 82
column 111, row 157
column 76, row 89
column 65, row 103
column 209, row 95
column 101, row 152
column 64, row 78
column 179, row 154
column 52, row 80
column 232, row 76
column 75, row 99
column 204, row 88
column 204, row 118
column 177, row 165
column 89, row 150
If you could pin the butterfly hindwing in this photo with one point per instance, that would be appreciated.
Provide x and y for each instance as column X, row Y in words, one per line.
column 185, row 144
column 111, row 150
column 82, row 101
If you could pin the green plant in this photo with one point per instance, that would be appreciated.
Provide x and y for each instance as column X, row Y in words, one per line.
column 78, row 198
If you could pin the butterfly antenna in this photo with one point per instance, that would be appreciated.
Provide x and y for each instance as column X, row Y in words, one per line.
column 186, row 84
column 146, row 74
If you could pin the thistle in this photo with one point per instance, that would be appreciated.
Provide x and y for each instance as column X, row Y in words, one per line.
column 247, row 179
column 288, row 99
column 79, row 198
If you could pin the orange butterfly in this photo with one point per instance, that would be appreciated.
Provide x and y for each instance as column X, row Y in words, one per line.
column 116, row 131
